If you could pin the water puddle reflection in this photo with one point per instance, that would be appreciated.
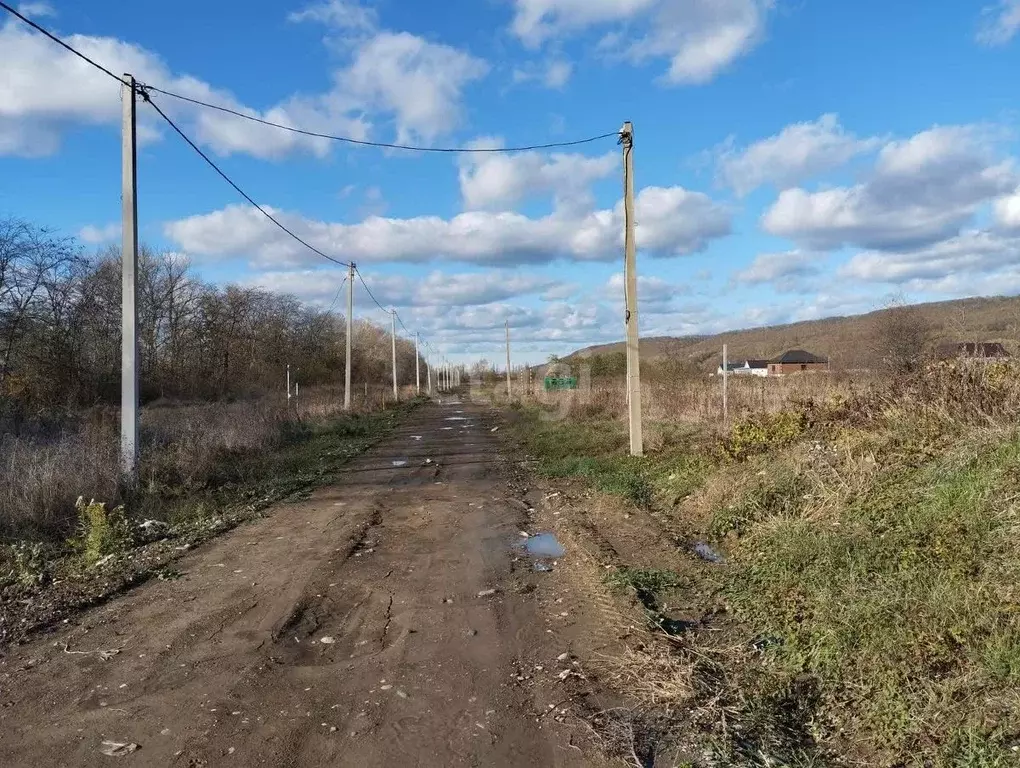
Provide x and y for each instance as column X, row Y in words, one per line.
column 543, row 548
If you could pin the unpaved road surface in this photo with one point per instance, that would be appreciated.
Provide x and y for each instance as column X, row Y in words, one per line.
column 355, row 628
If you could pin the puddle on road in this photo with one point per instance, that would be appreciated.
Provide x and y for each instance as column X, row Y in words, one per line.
column 544, row 545
column 456, row 418
column 543, row 548
column 400, row 463
column 446, row 428
column 416, row 437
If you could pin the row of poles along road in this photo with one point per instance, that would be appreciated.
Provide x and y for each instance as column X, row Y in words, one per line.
column 448, row 376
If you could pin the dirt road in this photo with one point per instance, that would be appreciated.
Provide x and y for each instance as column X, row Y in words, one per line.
column 356, row 628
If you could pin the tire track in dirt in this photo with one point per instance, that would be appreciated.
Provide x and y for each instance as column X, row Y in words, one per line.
column 352, row 628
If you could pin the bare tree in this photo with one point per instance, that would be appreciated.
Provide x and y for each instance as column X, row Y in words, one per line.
column 899, row 336
column 60, row 330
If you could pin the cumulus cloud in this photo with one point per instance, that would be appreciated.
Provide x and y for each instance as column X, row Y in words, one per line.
column 656, row 296
column 445, row 289
column 94, row 235
column 699, row 38
column 999, row 23
column 416, row 84
column 1007, row 211
column 499, row 181
column 419, row 82
column 47, row 90
column 671, row 221
column 796, row 153
column 781, row 269
column 922, row 190
column 970, row 252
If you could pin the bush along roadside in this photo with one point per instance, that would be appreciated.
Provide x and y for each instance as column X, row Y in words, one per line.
column 114, row 548
column 866, row 612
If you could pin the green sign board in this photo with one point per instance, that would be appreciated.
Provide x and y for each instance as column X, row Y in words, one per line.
column 560, row 382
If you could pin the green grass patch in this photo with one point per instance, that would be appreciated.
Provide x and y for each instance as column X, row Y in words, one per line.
column 654, row 580
column 649, row 586
column 903, row 606
column 597, row 451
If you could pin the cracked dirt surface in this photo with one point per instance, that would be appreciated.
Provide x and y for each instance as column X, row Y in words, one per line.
column 346, row 629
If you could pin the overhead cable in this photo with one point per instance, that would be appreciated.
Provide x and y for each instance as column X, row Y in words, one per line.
column 240, row 191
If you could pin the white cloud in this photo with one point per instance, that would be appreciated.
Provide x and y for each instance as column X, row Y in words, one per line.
column 1007, row 211
column 36, row 9
column 655, row 295
column 558, row 73
column 441, row 289
column 342, row 14
column 971, row 252
column 419, row 82
column 1000, row 22
column 46, row 90
column 553, row 74
column 779, row 268
column 393, row 75
column 922, row 190
column 499, row 181
column 94, row 235
column 700, row 38
column 798, row 152
column 669, row 222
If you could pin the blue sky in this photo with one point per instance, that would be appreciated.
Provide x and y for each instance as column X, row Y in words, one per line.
column 794, row 159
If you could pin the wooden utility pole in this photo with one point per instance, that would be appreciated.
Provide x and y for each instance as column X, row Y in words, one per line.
column 630, row 287
column 288, row 385
column 350, row 333
column 393, row 347
column 509, row 389
column 428, row 372
column 725, row 383
column 129, row 296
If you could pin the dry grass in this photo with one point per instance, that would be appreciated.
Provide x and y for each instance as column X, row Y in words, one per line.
column 866, row 614
column 698, row 400
column 183, row 448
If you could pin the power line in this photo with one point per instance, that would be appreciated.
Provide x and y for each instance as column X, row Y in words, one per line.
column 302, row 131
column 381, row 144
column 58, row 41
column 229, row 181
column 370, row 294
column 337, row 297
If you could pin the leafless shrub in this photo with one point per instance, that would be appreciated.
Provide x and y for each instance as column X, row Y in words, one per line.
column 900, row 336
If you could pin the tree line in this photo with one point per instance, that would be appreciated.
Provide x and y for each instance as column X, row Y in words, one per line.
column 60, row 319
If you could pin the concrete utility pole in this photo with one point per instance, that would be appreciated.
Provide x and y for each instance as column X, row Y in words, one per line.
column 509, row 391
column 350, row 332
column 393, row 347
column 428, row 372
column 725, row 385
column 129, row 296
column 630, row 282
column 417, row 364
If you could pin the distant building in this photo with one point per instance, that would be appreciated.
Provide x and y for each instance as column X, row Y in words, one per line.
column 975, row 350
column 796, row 361
column 746, row 368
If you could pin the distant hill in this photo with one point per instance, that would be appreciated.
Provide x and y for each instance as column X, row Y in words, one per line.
column 844, row 340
